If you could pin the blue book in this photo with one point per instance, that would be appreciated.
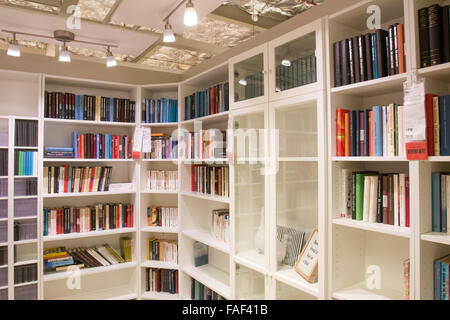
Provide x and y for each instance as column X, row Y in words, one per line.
column 444, row 278
column 358, row 150
column 377, row 131
column 436, row 201
column 45, row 222
column 75, row 144
column 437, row 279
column 98, row 146
column 352, row 121
column 111, row 109
column 81, row 107
column 366, row 151
column 374, row 56
column 444, row 123
column 69, row 181
column 77, row 107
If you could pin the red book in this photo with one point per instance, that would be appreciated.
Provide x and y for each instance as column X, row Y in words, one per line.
column 131, row 216
column 117, row 214
column 66, row 177
column 370, row 133
column 211, row 100
column 91, row 174
column 407, row 201
column 116, row 147
column 347, row 133
column 430, row 123
column 340, row 133
column 192, row 178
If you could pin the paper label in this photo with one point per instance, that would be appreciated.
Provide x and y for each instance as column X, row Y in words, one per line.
column 137, row 143
column 417, row 150
column 147, row 140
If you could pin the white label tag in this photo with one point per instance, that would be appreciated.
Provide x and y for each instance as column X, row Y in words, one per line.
column 147, row 140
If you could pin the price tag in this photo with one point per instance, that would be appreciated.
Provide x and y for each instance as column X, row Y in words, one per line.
column 417, row 150
column 137, row 143
column 147, row 140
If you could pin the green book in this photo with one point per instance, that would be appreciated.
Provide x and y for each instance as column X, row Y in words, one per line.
column 20, row 173
column 295, row 73
column 314, row 68
column 359, row 193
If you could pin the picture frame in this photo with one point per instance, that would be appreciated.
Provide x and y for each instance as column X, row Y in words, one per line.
column 308, row 259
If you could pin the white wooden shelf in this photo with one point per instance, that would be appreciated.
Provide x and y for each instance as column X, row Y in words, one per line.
column 159, row 230
column 200, row 161
column 164, row 124
column 213, row 278
column 205, row 197
column 208, row 119
column 252, row 260
column 359, row 291
column 150, row 295
column 89, row 122
column 81, row 235
column 291, row 278
column 174, row 161
column 158, row 192
column 436, row 237
column 369, row 159
column 25, row 284
column 440, row 72
column 26, row 148
column 439, row 159
column 85, row 194
column 373, row 87
column 22, row 263
column 115, row 293
column 89, row 271
column 24, row 218
column 159, row 265
column 298, row 159
column 205, row 237
column 71, row 160
column 24, row 197
column 374, row 227
column 20, row 242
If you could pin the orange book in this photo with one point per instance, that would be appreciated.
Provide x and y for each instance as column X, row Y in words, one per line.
column 340, row 133
column 347, row 133
column 91, row 176
column 401, row 49
column 371, row 133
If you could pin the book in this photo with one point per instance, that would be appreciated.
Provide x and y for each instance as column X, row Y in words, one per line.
column 424, row 38
column 441, row 278
column 200, row 254
column 211, row 180
column 161, row 280
column 200, row 292
column 220, row 225
column 162, row 250
column 162, row 147
column 26, row 133
column 434, row 29
column 215, row 99
column 163, row 110
column 162, row 180
column 444, row 123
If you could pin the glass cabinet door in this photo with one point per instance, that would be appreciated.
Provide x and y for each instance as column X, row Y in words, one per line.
column 249, row 190
column 250, row 285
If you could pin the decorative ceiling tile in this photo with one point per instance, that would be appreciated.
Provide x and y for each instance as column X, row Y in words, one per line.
column 135, row 27
column 32, row 5
column 96, row 10
column 97, row 54
column 220, row 33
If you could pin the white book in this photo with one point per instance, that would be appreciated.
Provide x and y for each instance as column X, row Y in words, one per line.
column 401, row 132
column 346, row 194
column 373, row 199
column 366, row 202
column 384, row 131
column 396, row 201
column 52, row 230
column 402, row 185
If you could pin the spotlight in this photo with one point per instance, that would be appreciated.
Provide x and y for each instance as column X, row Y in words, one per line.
column 190, row 15
column 64, row 54
column 168, row 35
column 13, row 47
column 110, row 60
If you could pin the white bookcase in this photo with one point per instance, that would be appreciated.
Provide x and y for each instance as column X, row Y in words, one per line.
column 293, row 181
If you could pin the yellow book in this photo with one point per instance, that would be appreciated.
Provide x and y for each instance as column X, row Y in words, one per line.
column 437, row 141
column 45, row 180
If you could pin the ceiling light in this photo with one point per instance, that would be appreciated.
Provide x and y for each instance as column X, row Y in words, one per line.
column 64, row 54
column 286, row 63
column 243, row 82
column 190, row 15
column 110, row 59
column 168, row 35
column 13, row 47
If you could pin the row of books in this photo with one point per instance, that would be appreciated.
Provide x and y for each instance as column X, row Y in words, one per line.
column 59, row 105
column 211, row 180
column 440, row 196
column 376, row 198
column 206, row 144
column 4, row 136
column 25, row 208
column 162, row 147
column 3, row 163
column 101, row 146
column 162, row 180
column 207, row 102
column 201, row 292
column 300, row 72
column 26, row 163
column 434, row 33
column 220, row 225
column 441, row 278
column 159, row 111
column 26, row 133
column 161, row 280
column 162, row 250
column 254, row 86
column 376, row 132
column 4, row 188
column 370, row 56
column 86, row 219
column 25, row 229
column 25, row 187
column 68, row 179
column 162, row 217
column 3, row 256
column 406, row 279
column 60, row 258
column 26, row 273
column 438, row 124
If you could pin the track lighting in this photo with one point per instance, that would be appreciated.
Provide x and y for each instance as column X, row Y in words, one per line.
column 13, row 47
column 64, row 54
column 110, row 59
column 190, row 15
column 168, row 35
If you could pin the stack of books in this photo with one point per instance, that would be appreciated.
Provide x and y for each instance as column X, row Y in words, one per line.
column 376, row 132
column 220, row 225
column 86, row 219
column 301, row 72
column 206, row 144
column 438, row 124
column 161, row 180
column 211, row 180
column 56, row 152
column 159, row 111
column 201, row 292
column 254, row 86
column 59, row 105
column 208, row 102
column 441, row 278
column 163, row 147
column 25, row 163
column 68, row 179
column 434, row 35
column 160, row 250
column 440, row 196
column 101, row 146
column 370, row 56
column 162, row 217
column 376, row 198
column 161, row 280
